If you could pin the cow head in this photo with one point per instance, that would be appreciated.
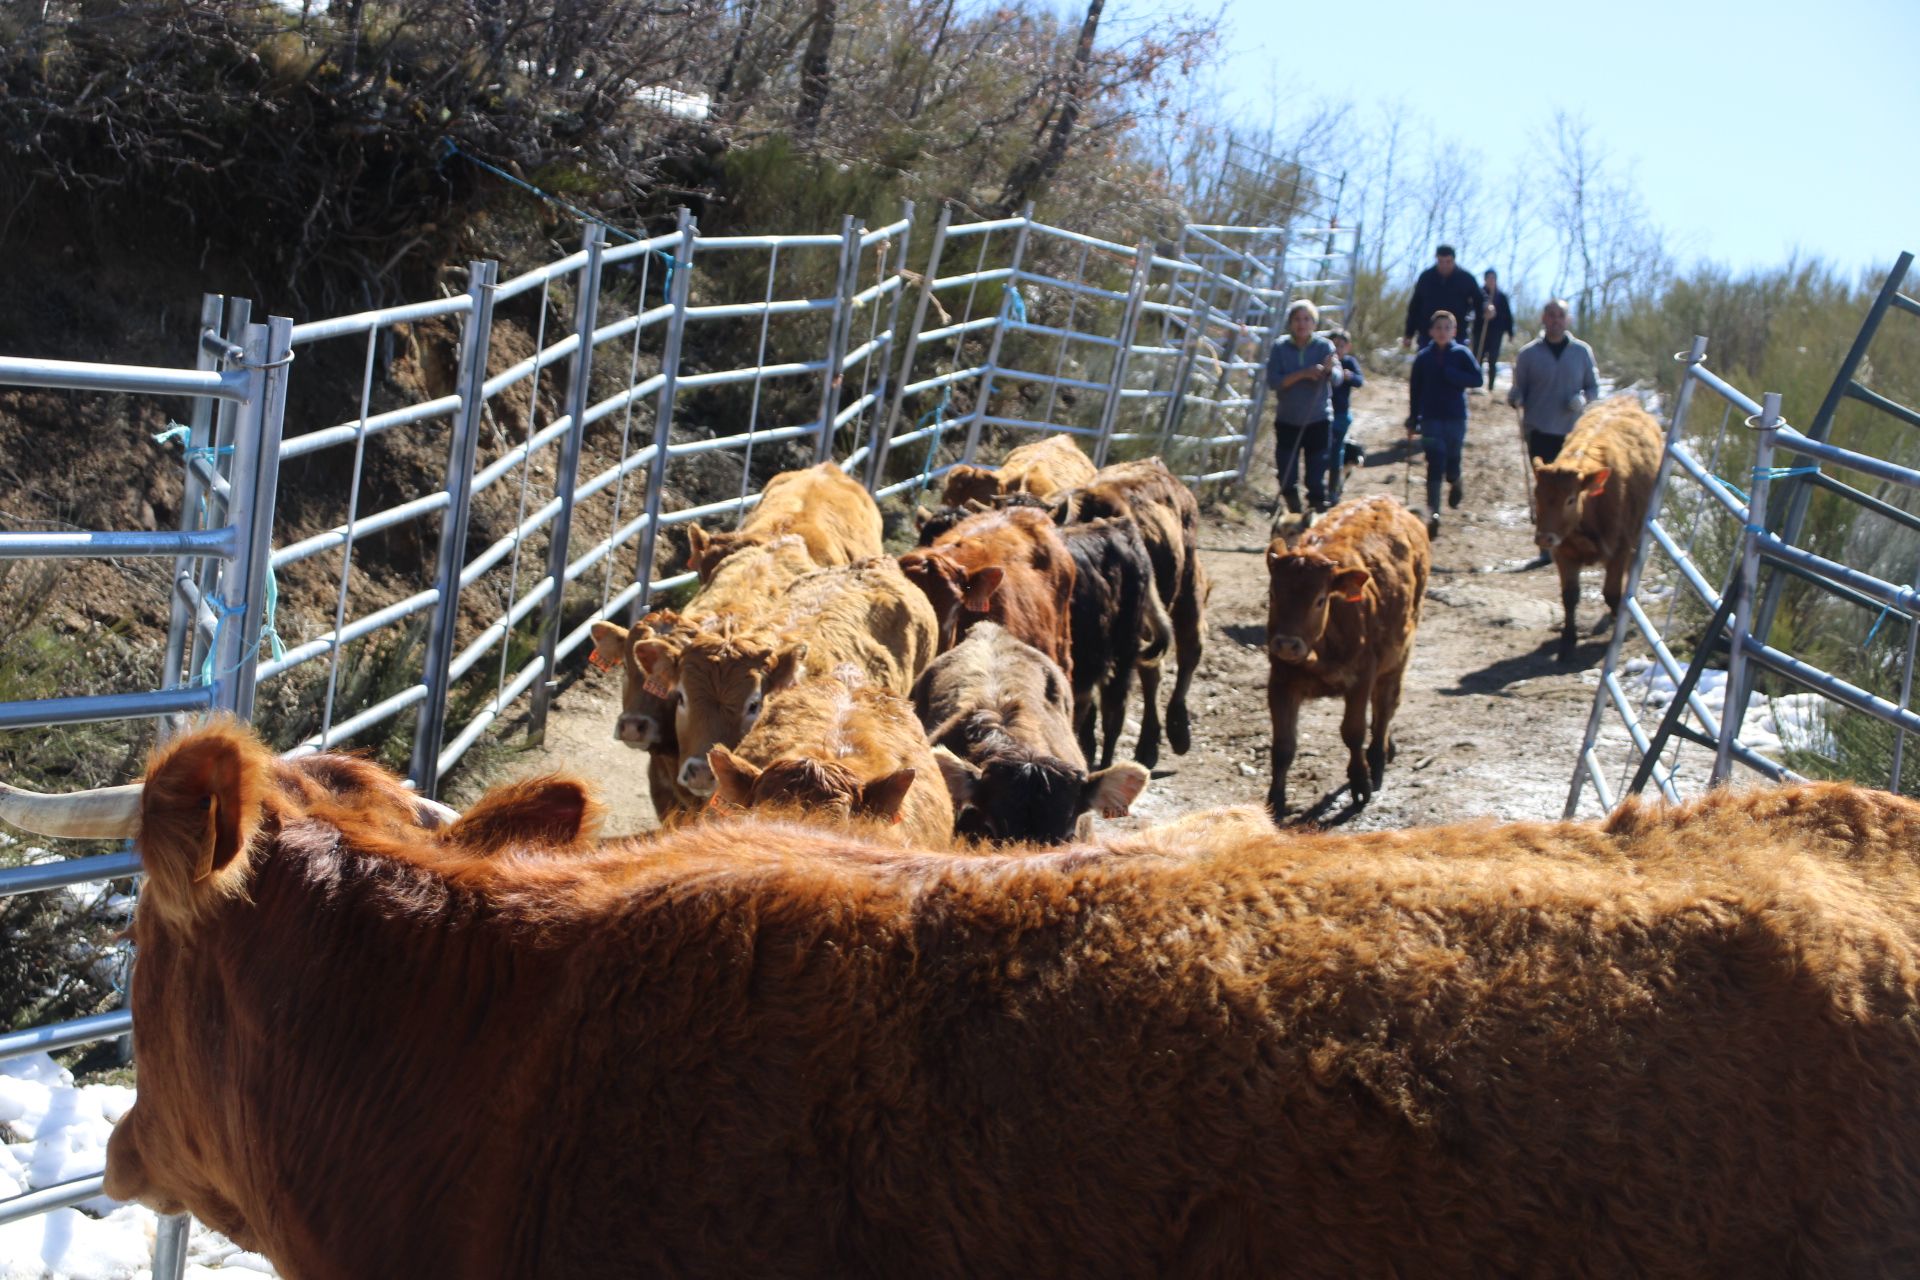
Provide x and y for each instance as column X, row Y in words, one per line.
column 1302, row 585
column 810, row 786
column 1029, row 796
column 951, row 588
column 646, row 710
column 969, row 484
column 1560, row 493
column 706, row 550
column 719, row 682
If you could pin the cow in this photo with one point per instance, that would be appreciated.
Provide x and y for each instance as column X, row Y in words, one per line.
column 1681, row 1042
column 1000, row 715
column 1011, row 567
column 1590, row 502
column 836, row 518
column 1342, row 607
column 1043, row 468
column 742, row 585
column 835, row 749
column 866, row 614
column 1169, row 521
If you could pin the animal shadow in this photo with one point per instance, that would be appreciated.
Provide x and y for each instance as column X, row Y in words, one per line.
column 1546, row 660
column 1334, row 809
column 1246, row 633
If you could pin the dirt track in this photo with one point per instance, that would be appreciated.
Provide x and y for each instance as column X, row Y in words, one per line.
column 1489, row 723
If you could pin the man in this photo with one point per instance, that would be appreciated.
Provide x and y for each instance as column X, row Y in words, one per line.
column 1303, row 371
column 1437, row 386
column 1441, row 287
column 1554, row 379
column 1496, row 324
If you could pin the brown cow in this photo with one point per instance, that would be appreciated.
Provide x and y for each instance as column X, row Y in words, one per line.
column 1680, row 1043
column 1589, row 503
column 826, row 508
column 1342, row 606
column 1001, row 714
column 1010, row 567
column 1169, row 521
column 865, row 614
column 1043, row 469
column 835, row 750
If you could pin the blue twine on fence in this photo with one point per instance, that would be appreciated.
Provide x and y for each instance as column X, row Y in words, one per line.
column 938, row 416
column 1781, row 473
column 1017, row 306
column 269, row 635
column 1885, row 609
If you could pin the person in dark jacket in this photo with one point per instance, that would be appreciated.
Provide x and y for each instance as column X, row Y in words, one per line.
column 1302, row 370
column 1437, row 385
column 1495, row 325
column 1441, row 287
column 1342, row 418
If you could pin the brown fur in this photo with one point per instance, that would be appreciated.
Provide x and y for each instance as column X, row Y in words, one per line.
column 1680, row 1044
column 1043, row 469
column 1010, row 567
column 864, row 614
column 1342, row 607
column 1581, row 525
column 826, row 508
column 831, row 753
column 1169, row 520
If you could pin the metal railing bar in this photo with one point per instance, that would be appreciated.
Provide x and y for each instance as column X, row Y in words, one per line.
column 491, row 473
column 384, row 710
column 361, row 321
column 38, row 712
column 1053, row 331
column 703, row 243
column 543, row 275
column 958, row 230
column 873, row 293
column 726, row 377
column 1893, row 408
column 952, row 330
column 1071, row 286
column 686, row 448
column 1726, row 390
column 307, row 548
column 481, row 644
column 635, row 248
column 631, row 324
column 319, row 646
column 347, row 432
column 615, row 403
column 209, row 475
column 62, row 1195
column 1885, row 510
column 536, row 363
column 914, row 482
column 687, row 514
column 1710, row 482
column 885, row 233
column 1026, row 424
column 1684, row 562
column 1830, row 686
column 506, row 542
column 987, row 276
column 56, row 1036
column 41, row 876
column 488, row 714
column 780, row 307
column 1048, row 379
column 76, row 375
column 1836, row 456
column 223, row 543
column 1662, row 777
column 626, row 466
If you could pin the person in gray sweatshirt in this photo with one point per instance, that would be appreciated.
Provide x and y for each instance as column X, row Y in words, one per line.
column 1303, row 371
column 1554, row 379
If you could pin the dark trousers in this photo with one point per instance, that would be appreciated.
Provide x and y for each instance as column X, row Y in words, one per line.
column 1544, row 445
column 1490, row 357
column 1443, row 443
column 1295, row 446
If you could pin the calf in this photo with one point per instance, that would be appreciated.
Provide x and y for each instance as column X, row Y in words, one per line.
column 1043, row 468
column 865, row 614
column 1589, row 503
column 823, row 506
column 834, row 750
column 1118, row 625
column 1343, row 603
column 1001, row 718
column 1169, row 522
column 1679, row 1043
column 1011, row 567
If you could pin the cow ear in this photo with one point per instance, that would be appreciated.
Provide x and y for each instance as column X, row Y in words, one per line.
column 609, row 645
column 733, row 778
column 789, row 668
column 1111, row 792
column 1351, row 584
column 659, row 663
column 548, row 813
column 1597, row 481
column 1064, row 507
column 981, row 584
column 696, row 545
column 961, row 776
column 202, row 805
column 884, row 797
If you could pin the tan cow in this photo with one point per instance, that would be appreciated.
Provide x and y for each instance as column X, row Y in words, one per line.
column 835, row 750
column 1590, row 502
column 826, row 508
column 1343, row 604
column 1680, row 1043
column 866, row 614
column 1043, row 469
column 1011, row 567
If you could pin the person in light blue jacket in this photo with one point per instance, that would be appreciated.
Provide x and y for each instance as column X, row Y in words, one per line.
column 1303, row 371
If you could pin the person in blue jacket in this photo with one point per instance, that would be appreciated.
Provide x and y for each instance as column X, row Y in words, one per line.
column 1342, row 417
column 1437, row 387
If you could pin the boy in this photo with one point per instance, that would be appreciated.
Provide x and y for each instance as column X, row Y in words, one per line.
column 1342, row 419
column 1437, row 387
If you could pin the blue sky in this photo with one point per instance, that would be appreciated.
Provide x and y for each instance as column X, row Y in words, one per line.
column 1702, row 102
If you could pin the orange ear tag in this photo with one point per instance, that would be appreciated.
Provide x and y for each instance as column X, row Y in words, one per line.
column 658, row 689
column 598, row 661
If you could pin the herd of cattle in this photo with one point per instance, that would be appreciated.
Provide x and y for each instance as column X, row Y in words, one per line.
column 380, row 1038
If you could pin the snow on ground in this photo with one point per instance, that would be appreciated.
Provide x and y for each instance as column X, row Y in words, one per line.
column 53, row 1131
column 1793, row 722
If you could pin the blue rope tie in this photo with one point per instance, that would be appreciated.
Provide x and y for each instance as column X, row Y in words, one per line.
column 1017, row 307
column 1885, row 609
column 269, row 635
column 938, row 416
column 1781, row 473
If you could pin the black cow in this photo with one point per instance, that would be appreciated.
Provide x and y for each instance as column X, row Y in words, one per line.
column 1118, row 623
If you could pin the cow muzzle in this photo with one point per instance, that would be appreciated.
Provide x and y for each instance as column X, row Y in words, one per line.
column 636, row 731
column 1288, row 649
column 696, row 775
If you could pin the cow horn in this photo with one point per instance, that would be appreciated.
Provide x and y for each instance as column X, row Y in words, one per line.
column 105, row 813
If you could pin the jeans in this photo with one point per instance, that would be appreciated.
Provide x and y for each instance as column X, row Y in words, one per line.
column 1337, row 455
column 1490, row 357
column 1442, row 442
column 1544, row 445
column 1294, row 445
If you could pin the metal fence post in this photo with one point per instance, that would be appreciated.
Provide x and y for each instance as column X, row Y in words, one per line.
column 1129, row 327
column 876, row 473
column 985, row 393
column 1733, row 710
column 1277, row 282
column 845, row 286
column 883, row 387
column 1183, row 371
column 663, row 411
column 462, row 453
column 586, row 313
column 254, row 482
column 181, row 621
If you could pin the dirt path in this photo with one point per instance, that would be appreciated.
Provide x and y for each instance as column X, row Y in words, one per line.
column 1489, row 722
